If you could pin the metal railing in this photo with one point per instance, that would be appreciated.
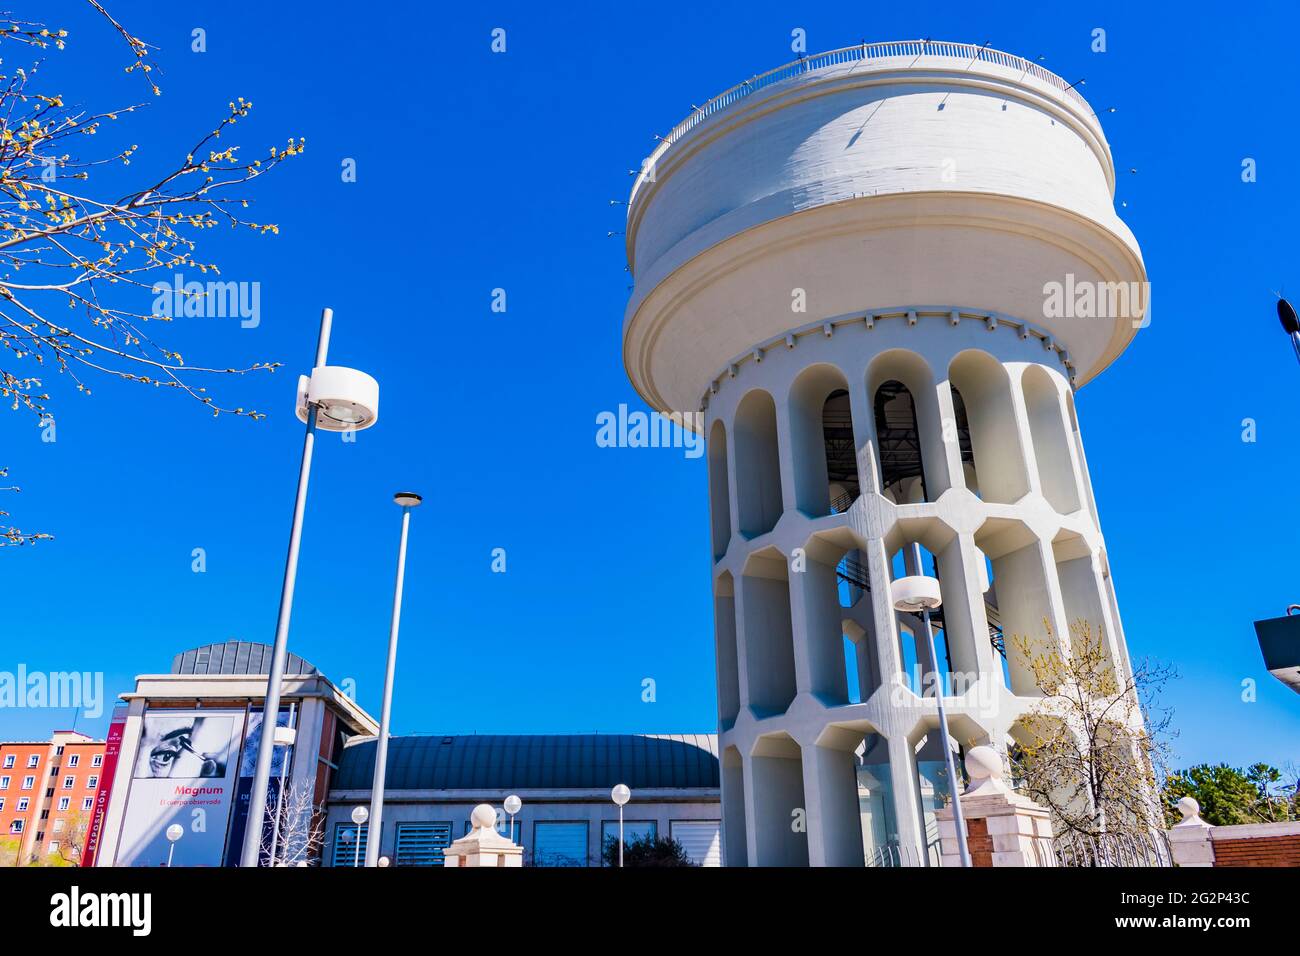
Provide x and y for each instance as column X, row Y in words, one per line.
column 1104, row 850
column 862, row 52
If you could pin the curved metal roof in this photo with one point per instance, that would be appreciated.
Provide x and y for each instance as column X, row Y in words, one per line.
column 534, row 762
column 235, row 657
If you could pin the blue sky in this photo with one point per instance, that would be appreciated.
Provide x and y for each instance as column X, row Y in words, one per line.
column 478, row 171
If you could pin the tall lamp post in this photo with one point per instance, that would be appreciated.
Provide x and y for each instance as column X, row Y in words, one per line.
column 920, row 593
column 335, row 399
column 359, row 815
column 620, row 795
column 512, row 806
column 406, row 500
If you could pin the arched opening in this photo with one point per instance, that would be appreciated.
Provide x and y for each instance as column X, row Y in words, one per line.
column 733, row 809
column 719, row 496
column 758, row 465
column 1084, row 477
column 724, row 624
column 780, row 810
column 1020, row 597
column 825, row 451
column 898, row 439
column 1051, row 443
column 835, row 765
column 768, row 634
column 986, row 428
column 877, row 813
column 833, row 677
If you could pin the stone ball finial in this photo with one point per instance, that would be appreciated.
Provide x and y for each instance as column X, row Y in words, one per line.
column 983, row 763
column 484, row 816
column 1189, row 808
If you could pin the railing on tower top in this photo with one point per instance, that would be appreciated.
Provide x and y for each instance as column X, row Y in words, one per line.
column 871, row 51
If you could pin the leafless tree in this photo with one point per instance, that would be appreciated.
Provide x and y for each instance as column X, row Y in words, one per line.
column 1095, row 749
column 76, row 260
column 297, row 834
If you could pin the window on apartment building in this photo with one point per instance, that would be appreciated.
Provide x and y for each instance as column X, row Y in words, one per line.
column 74, row 760
column 97, row 760
column 64, row 803
column 2, row 804
column 58, row 751
column 22, row 804
column 33, row 760
column 68, row 782
column 9, row 761
column 54, row 847
column 45, row 814
column 16, row 826
column 92, row 782
column 4, row 783
column 87, row 803
column 58, row 825
column 28, row 782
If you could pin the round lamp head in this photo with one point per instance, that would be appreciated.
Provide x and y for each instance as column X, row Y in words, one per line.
column 915, row 593
column 1286, row 315
column 345, row 399
column 384, row 861
column 512, row 804
column 360, row 815
column 621, row 794
column 407, row 499
column 175, row 832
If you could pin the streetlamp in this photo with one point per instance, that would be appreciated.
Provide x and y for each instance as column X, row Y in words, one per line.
column 511, row 806
column 174, row 833
column 920, row 592
column 334, row 399
column 620, row 795
column 1290, row 323
column 359, row 815
column 406, row 500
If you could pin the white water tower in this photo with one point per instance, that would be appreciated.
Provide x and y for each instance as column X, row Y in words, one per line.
column 882, row 273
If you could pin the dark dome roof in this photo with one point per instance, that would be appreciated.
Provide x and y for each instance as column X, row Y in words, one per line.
column 534, row 762
column 235, row 657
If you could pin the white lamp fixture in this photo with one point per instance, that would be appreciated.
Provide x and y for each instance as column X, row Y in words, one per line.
column 346, row 400
column 285, row 736
column 360, row 815
column 511, row 806
column 620, row 795
column 916, row 593
column 174, row 833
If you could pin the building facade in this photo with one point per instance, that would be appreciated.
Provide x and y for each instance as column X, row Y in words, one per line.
column 564, row 781
column 881, row 274
column 47, row 796
column 188, row 746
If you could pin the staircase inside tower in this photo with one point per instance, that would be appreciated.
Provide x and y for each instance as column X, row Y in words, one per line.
column 841, row 451
column 851, row 572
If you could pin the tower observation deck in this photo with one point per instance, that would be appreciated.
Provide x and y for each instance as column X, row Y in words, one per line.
column 881, row 273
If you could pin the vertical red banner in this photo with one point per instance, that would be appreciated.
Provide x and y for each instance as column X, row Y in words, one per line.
column 112, row 747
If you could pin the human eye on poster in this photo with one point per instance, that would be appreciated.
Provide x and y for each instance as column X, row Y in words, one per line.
column 185, row 747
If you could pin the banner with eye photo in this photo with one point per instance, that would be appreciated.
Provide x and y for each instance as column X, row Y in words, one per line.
column 184, row 774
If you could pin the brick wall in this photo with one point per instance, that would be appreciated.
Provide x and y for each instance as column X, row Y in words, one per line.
column 1257, row 851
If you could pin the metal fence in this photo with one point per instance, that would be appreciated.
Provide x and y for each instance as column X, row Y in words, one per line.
column 1149, row 849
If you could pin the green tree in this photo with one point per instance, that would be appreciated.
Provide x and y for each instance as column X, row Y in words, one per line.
column 1230, row 795
column 648, row 850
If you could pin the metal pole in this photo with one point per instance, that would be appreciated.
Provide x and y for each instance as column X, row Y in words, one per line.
column 958, row 818
column 356, row 860
column 271, row 706
column 620, row 837
column 381, row 745
column 170, row 850
column 279, row 802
